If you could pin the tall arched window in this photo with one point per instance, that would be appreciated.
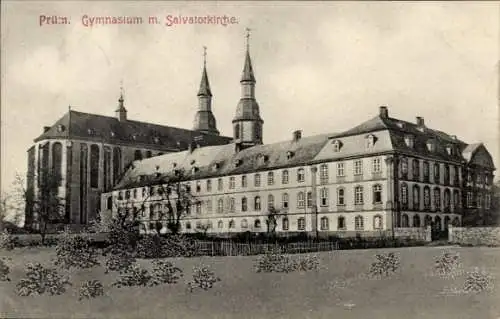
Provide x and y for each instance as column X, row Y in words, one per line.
column 416, row 197
column 436, row 173
column 427, row 220
column 437, row 198
column 358, row 195
column 301, row 223
column 284, row 177
column 286, row 223
column 341, row 222
column 359, row 222
column 117, row 163
column 415, row 167
column 231, row 224
column 426, row 172
column 94, row 166
column 256, row 204
column 220, row 224
column 377, row 194
column 300, row 175
column 285, row 200
column 427, row 197
column 244, row 224
column 340, row 196
column 404, row 167
column 270, row 178
column 57, row 161
column 447, row 198
column 244, row 205
column 256, row 224
column 323, row 174
column 404, row 195
column 405, row 221
column 377, row 222
column 416, row 221
column 323, row 193
column 107, row 168
column 446, row 174
column 220, row 206
column 301, row 200
column 270, row 201
column 325, row 225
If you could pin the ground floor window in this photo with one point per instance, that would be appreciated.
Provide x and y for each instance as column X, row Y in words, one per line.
column 324, row 223
column 359, row 223
column 377, row 222
column 405, row 221
column 341, row 222
column 301, row 223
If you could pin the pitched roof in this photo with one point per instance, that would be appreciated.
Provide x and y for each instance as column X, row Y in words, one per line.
column 228, row 161
column 204, row 84
column 104, row 128
column 248, row 69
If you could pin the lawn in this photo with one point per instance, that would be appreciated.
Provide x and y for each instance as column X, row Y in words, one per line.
column 337, row 290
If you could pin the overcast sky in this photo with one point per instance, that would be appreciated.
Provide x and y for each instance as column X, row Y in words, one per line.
column 320, row 67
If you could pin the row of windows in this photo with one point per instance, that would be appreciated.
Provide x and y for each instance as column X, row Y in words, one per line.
column 427, row 197
column 301, row 223
column 415, row 165
column 428, row 221
column 481, row 201
column 481, row 179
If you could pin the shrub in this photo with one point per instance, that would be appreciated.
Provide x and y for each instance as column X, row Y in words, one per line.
column 180, row 246
column 477, row 281
column 274, row 261
column 4, row 271
column 151, row 246
column 91, row 289
column 41, row 280
column 133, row 276
column 307, row 263
column 121, row 243
column 446, row 264
column 165, row 272
column 203, row 278
column 385, row 264
column 74, row 251
column 7, row 241
column 119, row 261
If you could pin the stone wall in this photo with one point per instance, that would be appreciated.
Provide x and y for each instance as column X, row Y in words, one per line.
column 474, row 236
column 423, row 234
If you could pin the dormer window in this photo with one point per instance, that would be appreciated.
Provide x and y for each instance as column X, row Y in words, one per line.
column 194, row 169
column 421, row 128
column 156, row 139
column 289, row 154
column 431, row 146
column 113, row 134
column 263, row 159
column 449, row 150
column 400, row 124
column 410, row 141
column 61, row 128
column 216, row 167
column 90, row 131
column 337, row 145
column 237, row 162
column 370, row 140
column 192, row 162
column 157, row 175
column 174, row 165
column 134, row 137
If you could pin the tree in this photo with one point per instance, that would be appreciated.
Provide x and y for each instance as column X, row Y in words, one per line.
column 45, row 203
column 11, row 208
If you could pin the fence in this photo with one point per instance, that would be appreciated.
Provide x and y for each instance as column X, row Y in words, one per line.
column 228, row 248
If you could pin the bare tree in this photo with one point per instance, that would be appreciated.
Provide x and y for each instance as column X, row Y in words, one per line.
column 45, row 204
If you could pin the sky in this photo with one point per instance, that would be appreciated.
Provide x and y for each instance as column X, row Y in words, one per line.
column 321, row 67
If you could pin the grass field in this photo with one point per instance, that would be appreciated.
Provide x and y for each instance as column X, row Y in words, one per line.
column 336, row 290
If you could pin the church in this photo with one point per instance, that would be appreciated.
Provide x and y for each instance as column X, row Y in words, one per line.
column 382, row 174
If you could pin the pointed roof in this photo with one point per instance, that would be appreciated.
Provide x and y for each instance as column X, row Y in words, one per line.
column 204, row 84
column 248, row 70
column 121, row 106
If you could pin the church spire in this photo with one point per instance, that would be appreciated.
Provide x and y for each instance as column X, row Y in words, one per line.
column 204, row 120
column 247, row 123
column 248, row 75
column 121, row 112
column 204, row 84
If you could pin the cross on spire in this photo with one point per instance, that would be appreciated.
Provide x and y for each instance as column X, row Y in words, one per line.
column 204, row 55
column 247, row 36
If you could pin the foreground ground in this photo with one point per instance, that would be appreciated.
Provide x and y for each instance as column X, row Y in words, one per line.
column 338, row 289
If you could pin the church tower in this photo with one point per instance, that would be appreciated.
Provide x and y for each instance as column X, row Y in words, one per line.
column 121, row 111
column 247, row 123
column 204, row 120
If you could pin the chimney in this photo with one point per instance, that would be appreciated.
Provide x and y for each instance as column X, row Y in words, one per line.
column 384, row 113
column 297, row 135
column 46, row 129
column 420, row 121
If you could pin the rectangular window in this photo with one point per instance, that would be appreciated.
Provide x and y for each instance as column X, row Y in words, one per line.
column 243, row 181
column 358, row 167
column 198, row 208
column 209, row 205
column 324, row 196
column 358, row 195
column 220, row 184
column 309, row 199
column 469, row 199
column 198, row 186
column 479, row 200
column 270, row 178
column 285, row 200
column 284, row 177
column 209, row 185
column 300, row 175
column 257, row 180
column 301, row 224
column 323, row 174
column 340, row 169
column 232, row 182
column 487, row 201
column 340, row 196
column 376, row 167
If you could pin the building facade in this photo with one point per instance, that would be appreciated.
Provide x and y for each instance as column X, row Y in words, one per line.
column 90, row 153
column 383, row 174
